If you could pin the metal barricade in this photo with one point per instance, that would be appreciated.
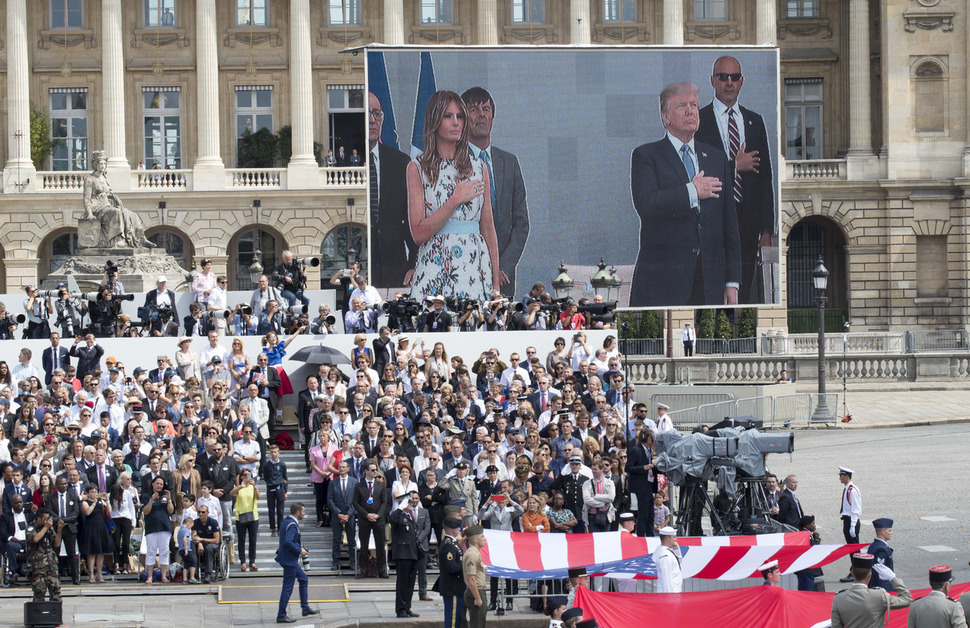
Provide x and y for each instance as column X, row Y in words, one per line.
column 832, row 401
column 712, row 413
column 759, row 407
column 792, row 410
column 684, row 420
column 919, row 341
column 680, row 401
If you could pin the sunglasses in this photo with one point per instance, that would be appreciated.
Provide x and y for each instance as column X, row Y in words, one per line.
column 724, row 76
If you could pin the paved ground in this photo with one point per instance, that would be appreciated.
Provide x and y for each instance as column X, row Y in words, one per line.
column 894, row 405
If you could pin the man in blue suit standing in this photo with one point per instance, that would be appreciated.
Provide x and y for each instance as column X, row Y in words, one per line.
column 288, row 555
column 340, row 498
column 679, row 192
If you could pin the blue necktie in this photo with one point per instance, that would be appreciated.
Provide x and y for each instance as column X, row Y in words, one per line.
column 688, row 162
column 491, row 176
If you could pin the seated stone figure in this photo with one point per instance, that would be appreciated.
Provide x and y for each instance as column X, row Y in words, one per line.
column 120, row 227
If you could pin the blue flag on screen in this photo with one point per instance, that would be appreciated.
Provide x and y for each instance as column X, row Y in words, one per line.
column 377, row 81
column 426, row 88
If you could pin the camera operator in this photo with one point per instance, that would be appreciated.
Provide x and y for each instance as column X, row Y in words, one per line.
column 401, row 313
column 344, row 277
column 160, row 301
column 8, row 326
column 437, row 319
column 365, row 292
column 529, row 318
column 196, row 323
column 471, row 317
column 299, row 324
column 271, row 319
column 37, row 308
column 111, row 279
column 496, row 312
column 291, row 280
column 243, row 321
column 360, row 319
column 69, row 310
column 217, row 302
column 263, row 294
column 104, row 313
column 323, row 324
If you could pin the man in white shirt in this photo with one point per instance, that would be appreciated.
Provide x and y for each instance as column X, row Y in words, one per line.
column 110, row 403
column 24, row 369
column 663, row 421
column 667, row 558
column 514, row 369
column 207, row 353
column 246, row 451
column 365, row 292
column 687, row 338
column 217, row 301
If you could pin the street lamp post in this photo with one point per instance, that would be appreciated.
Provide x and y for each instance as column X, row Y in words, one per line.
column 820, row 277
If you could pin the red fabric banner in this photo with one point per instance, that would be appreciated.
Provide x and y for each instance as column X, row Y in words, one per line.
column 751, row 607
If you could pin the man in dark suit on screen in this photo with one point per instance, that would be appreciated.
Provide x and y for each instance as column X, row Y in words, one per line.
column 689, row 247
column 509, row 206
column 741, row 134
column 394, row 250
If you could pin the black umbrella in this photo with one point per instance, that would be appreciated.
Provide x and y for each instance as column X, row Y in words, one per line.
column 320, row 354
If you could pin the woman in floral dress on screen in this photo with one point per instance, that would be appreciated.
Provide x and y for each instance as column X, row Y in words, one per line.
column 450, row 209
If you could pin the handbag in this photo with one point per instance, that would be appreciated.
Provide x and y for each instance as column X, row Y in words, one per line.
column 246, row 517
column 599, row 519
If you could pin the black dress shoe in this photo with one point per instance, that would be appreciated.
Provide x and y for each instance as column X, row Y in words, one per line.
column 847, row 579
column 500, row 612
column 491, row 606
column 411, row 614
column 402, row 615
column 310, row 611
column 285, row 620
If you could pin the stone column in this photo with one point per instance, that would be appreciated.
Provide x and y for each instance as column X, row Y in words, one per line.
column 209, row 171
column 113, row 86
column 579, row 22
column 487, row 23
column 19, row 174
column 673, row 23
column 766, row 22
column 860, row 121
column 303, row 171
column 394, row 22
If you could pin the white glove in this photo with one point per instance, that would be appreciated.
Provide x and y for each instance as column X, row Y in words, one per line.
column 885, row 573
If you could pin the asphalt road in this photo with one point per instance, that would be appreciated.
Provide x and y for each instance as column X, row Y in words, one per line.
column 916, row 476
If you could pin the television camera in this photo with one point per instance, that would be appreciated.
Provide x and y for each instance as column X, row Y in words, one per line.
column 736, row 459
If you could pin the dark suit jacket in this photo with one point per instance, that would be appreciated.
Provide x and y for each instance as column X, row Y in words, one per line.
column 110, row 477
column 511, row 213
column 673, row 234
column 638, row 480
column 395, row 251
column 404, row 536
column 50, row 362
column 7, row 525
column 72, row 509
column 756, row 213
column 304, row 403
column 89, row 358
column 8, row 492
column 380, row 504
column 151, row 299
column 291, row 544
column 383, row 354
column 341, row 502
column 788, row 510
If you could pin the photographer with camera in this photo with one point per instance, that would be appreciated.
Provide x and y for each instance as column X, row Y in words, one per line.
column 262, row 295
column 111, row 278
column 291, row 279
column 271, row 319
column 68, row 311
column 360, row 319
column 496, row 312
column 243, row 321
column 401, row 313
column 437, row 319
column 38, row 307
column 216, row 305
column 323, row 324
column 104, row 313
column 8, row 323
column 159, row 303
column 344, row 277
column 471, row 316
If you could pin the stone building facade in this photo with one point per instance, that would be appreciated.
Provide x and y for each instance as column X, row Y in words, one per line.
column 875, row 151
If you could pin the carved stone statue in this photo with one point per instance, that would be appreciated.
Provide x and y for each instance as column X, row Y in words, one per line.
column 120, row 227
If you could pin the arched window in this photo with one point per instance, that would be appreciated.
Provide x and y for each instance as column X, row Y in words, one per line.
column 55, row 250
column 175, row 245
column 336, row 244
column 241, row 250
column 808, row 239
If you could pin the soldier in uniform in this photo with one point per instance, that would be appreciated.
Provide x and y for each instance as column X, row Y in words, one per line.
column 461, row 487
column 771, row 573
column 937, row 610
column 570, row 484
column 862, row 607
column 42, row 545
column 880, row 549
column 475, row 576
column 451, row 581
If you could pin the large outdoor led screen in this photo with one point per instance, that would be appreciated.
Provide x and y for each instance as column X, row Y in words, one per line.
column 493, row 164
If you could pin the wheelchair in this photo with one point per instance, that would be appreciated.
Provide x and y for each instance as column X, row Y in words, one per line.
column 9, row 579
column 221, row 563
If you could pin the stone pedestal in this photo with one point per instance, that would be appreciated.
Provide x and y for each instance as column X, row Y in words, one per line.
column 137, row 268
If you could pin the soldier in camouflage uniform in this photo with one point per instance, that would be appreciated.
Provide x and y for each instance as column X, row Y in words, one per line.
column 42, row 545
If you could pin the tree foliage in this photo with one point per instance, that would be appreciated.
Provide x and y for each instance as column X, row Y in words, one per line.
column 705, row 327
column 41, row 142
column 257, row 150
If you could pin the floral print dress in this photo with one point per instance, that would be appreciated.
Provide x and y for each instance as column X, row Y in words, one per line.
column 455, row 261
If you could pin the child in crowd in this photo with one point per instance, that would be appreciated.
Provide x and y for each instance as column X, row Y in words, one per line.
column 215, row 509
column 661, row 514
column 274, row 474
column 189, row 559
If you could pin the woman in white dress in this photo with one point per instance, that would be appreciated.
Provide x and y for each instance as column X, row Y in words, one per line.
column 450, row 209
